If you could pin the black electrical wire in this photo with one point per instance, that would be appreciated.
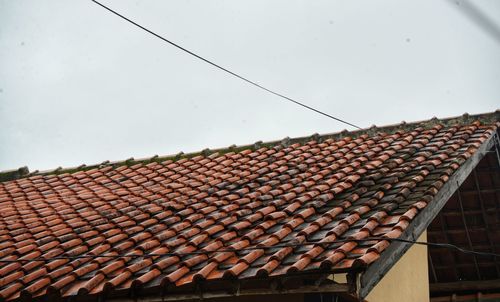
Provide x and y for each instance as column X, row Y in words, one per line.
column 283, row 245
column 222, row 68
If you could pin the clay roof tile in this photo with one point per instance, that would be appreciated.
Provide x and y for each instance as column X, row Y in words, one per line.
column 247, row 199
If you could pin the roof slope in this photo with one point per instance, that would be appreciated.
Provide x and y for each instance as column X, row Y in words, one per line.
column 190, row 212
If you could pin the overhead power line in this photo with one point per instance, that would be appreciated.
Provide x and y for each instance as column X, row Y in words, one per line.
column 223, row 68
column 282, row 245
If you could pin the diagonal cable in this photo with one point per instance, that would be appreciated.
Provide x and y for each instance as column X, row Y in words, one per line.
column 222, row 68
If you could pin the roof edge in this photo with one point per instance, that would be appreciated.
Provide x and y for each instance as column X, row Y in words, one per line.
column 338, row 288
column 375, row 272
column 486, row 118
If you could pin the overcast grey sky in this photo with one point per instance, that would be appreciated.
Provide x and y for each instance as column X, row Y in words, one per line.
column 79, row 85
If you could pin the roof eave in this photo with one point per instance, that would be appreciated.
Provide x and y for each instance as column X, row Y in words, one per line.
column 337, row 288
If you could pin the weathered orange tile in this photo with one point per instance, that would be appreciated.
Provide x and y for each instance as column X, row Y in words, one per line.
column 183, row 210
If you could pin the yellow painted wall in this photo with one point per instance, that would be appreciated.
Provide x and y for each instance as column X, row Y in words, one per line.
column 408, row 279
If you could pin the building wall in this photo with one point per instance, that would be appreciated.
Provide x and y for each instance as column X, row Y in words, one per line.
column 408, row 279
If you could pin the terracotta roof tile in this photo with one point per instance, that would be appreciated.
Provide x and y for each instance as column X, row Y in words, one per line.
column 229, row 214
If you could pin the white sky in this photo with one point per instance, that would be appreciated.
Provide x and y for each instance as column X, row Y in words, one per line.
column 79, row 85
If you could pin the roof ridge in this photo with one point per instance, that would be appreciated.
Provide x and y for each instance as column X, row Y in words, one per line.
column 489, row 117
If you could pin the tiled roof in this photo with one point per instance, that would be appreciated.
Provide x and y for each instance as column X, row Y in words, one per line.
column 343, row 186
